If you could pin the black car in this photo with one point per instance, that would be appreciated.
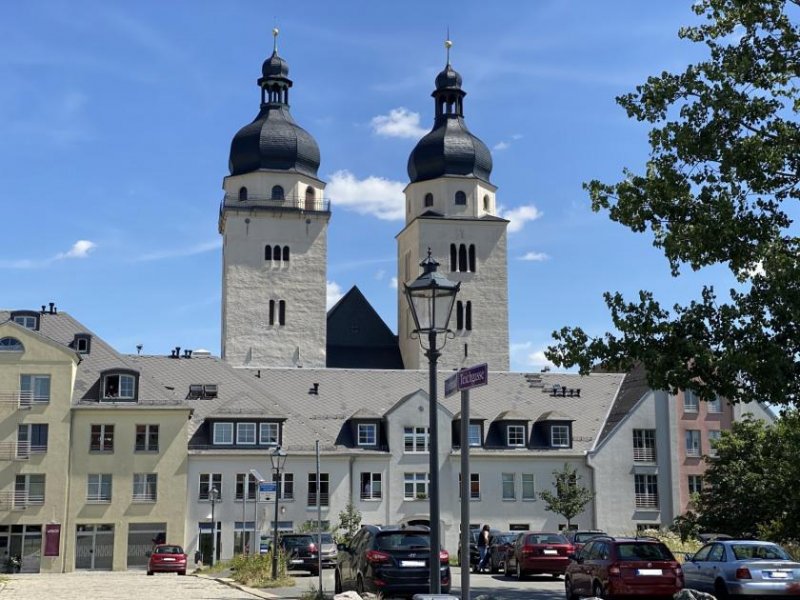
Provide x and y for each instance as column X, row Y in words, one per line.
column 474, row 554
column 389, row 561
column 499, row 544
column 301, row 552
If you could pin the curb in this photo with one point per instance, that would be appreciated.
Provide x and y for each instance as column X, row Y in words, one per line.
column 236, row 585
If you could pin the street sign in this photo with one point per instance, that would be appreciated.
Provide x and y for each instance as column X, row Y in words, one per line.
column 451, row 385
column 266, row 491
column 473, row 376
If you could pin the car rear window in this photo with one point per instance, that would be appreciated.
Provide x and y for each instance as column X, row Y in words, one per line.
column 758, row 552
column 585, row 537
column 403, row 540
column 327, row 538
column 169, row 550
column 304, row 540
column 546, row 538
column 643, row 551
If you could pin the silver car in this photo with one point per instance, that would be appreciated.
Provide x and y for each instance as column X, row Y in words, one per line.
column 728, row 568
column 328, row 550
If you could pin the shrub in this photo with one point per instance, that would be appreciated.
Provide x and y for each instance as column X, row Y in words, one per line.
column 255, row 570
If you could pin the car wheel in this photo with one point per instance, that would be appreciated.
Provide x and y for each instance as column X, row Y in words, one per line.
column 149, row 572
column 568, row 588
column 337, row 582
column 506, row 569
column 555, row 575
column 597, row 591
column 493, row 567
column 181, row 572
column 721, row 590
column 520, row 574
column 314, row 572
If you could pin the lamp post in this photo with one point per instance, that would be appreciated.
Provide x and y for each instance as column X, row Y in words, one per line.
column 431, row 297
column 213, row 494
column 278, row 459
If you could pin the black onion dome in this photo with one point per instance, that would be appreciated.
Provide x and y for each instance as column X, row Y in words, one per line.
column 449, row 78
column 275, row 66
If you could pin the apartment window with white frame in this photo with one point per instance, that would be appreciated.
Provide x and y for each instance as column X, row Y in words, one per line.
column 367, row 434
column 145, row 487
column 31, row 439
column 474, row 433
column 415, row 439
column 509, row 486
column 29, row 490
column 34, row 388
column 695, row 484
column 27, row 321
column 223, row 434
column 692, row 442
column 715, row 405
column 146, row 438
column 245, row 482
column 101, row 438
column 285, row 485
column 515, row 435
column 324, row 489
column 713, row 438
column 415, row 486
column 528, row 487
column 646, row 490
column 474, row 486
column 559, row 436
column 98, row 488
column 644, row 445
column 268, row 434
column 246, row 434
column 691, row 403
column 371, row 486
column 208, row 481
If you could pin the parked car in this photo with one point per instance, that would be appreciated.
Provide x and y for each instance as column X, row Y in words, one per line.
column 167, row 558
column 611, row 567
column 474, row 554
column 301, row 552
column 579, row 538
column 389, row 561
column 728, row 568
column 539, row 552
column 499, row 545
column 328, row 550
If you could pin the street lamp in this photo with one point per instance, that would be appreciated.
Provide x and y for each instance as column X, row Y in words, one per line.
column 213, row 495
column 431, row 297
column 278, row 459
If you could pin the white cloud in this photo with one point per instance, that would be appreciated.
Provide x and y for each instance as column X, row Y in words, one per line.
column 519, row 216
column 376, row 196
column 333, row 293
column 538, row 359
column 179, row 252
column 80, row 249
column 393, row 283
column 535, row 256
column 380, row 274
column 501, row 146
column 400, row 122
column 517, row 136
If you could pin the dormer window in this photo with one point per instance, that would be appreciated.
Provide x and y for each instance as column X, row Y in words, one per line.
column 559, row 436
column 202, row 391
column 475, row 435
column 119, row 386
column 82, row 343
column 367, row 434
column 515, row 435
column 26, row 318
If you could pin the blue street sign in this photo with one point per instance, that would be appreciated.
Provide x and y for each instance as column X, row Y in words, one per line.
column 266, row 491
column 473, row 376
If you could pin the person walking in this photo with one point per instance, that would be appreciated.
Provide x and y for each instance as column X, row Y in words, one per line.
column 483, row 548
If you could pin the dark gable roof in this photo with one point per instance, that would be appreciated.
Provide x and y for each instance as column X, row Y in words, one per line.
column 631, row 391
column 358, row 338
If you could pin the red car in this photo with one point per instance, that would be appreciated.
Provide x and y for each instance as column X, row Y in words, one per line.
column 614, row 567
column 538, row 553
column 167, row 558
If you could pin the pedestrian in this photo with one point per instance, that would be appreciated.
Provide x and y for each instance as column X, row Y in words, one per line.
column 483, row 547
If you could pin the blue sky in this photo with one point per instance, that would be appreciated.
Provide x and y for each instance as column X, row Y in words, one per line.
column 116, row 120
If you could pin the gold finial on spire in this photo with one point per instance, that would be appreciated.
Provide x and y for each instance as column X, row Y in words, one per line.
column 275, row 32
column 448, row 44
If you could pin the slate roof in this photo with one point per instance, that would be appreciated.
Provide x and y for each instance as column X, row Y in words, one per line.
column 633, row 388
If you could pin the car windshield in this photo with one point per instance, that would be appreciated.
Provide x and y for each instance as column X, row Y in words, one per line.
column 298, row 541
column 327, row 538
column 643, row 551
column 168, row 550
column 403, row 540
column 506, row 539
column 582, row 538
column 547, row 538
column 759, row 552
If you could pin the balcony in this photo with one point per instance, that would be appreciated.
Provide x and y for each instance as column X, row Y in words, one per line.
column 291, row 203
column 644, row 454
column 21, row 399
column 647, row 501
column 312, row 499
column 19, row 500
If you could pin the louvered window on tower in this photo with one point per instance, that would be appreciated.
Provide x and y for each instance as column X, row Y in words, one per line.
column 428, row 199
column 286, row 254
column 461, row 198
column 242, row 194
column 277, row 192
column 462, row 258
column 464, row 315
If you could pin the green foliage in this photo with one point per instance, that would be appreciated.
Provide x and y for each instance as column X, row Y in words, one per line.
column 255, row 570
column 750, row 486
column 686, row 526
column 719, row 190
column 309, row 526
column 570, row 498
column 349, row 523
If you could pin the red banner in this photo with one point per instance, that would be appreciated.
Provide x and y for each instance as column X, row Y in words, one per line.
column 52, row 539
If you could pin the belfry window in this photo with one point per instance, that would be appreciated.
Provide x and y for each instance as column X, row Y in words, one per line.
column 277, row 193
column 272, row 312
column 242, row 194
column 429, row 199
column 268, row 253
column 461, row 198
column 462, row 258
column 286, row 254
column 310, row 198
column 486, row 202
column 282, row 312
column 464, row 315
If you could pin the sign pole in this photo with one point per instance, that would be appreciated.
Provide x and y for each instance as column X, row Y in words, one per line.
column 465, row 491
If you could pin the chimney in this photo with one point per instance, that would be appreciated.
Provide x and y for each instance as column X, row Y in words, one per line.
column 187, row 353
column 314, row 389
column 139, row 348
column 53, row 310
column 44, row 309
column 177, row 352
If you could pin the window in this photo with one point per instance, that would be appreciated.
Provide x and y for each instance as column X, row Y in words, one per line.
column 415, row 486
column 145, row 487
column 310, row 198
column 282, row 312
column 474, row 486
column 453, row 258
column 268, row 252
column 472, row 258
column 367, row 434
column 715, row 405
column 242, row 194
column 286, row 254
column 208, row 481
column 559, row 436
column 246, row 434
column 646, row 489
column 119, row 387
column 98, row 488
column 461, row 198
column 31, row 439
column 102, row 438
column 82, row 343
column 242, row 480
column 690, row 401
column 464, row 315
column 475, row 435
column 323, row 489
column 285, row 486
column 644, row 445
column 695, row 484
column 692, row 442
column 146, row 438
column 34, row 388
column 268, row 434
column 371, row 488
column 223, row 433
column 486, row 203
column 277, row 192
column 9, row 344
column 28, row 490
column 415, row 439
column 713, row 438
column 509, row 486
column 528, row 487
column 428, row 199
column 272, row 312
column 27, row 321
column 515, row 435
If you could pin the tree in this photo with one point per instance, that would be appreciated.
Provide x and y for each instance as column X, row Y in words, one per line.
column 718, row 190
column 570, row 498
column 349, row 523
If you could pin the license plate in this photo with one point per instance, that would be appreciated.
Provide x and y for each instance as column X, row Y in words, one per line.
column 412, row 563
column 166, row 559
column 297, row 561
column 777, row 574
column 648, row 571
column 550, row 552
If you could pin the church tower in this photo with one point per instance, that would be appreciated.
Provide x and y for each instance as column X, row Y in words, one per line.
column 451, row 209
column 274, row 224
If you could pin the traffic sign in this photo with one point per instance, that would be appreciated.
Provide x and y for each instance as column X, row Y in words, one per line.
column 451, row 385
column 267, row 491
column 473, row 376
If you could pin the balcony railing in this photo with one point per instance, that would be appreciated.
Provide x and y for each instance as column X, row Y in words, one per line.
column 26, row 449
column 312, row 498
column 288, row 202
column 646, row 500
column 21, row 399
column 644, row 454
column 19, row 500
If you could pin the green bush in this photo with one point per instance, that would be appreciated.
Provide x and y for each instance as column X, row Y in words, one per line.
column 255, row 570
